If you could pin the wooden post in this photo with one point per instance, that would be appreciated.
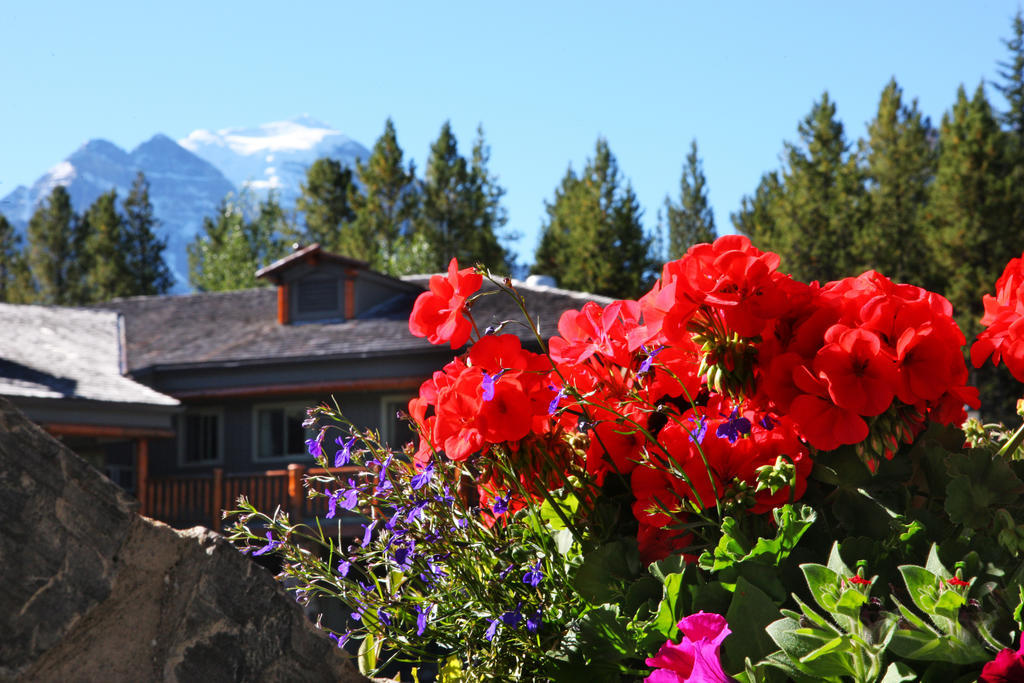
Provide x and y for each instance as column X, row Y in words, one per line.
column 142, row 475
column 295, row 497
column 217, row 498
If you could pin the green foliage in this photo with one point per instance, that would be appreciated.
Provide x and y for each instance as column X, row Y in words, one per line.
column 54, row 250
column 899, row 159
column 593, row 240
column 15, row 281
column 385, row 204
column 238, row 241
column 325, row 204
column 691, row 220
column 147, row 272
column 971, row 234
column 1012, row 73
column 461, row 212
column 812, row 212
column 104, row 263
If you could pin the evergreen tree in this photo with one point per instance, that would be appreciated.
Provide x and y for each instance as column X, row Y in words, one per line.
column 691, row 220
column 147, row 272
column 594, row 239
column 53, row 240
column 385, row 205
column 461, row 210
column 103, row 260
column 1012, row 88
column 15, row 285
column 1012, row 85
column 970, row 208
column 899, row 163
column 324, row 203
column 814, row 216
column 490, row 215
column 234, row 244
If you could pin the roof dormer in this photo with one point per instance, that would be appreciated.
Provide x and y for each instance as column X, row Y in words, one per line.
column 317, row 286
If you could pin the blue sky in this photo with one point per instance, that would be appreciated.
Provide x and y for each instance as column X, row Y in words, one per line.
column 545, row 79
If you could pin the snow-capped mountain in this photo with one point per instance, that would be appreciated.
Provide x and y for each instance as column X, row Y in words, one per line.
column 183, row 189
column 189, row 179
column 273, row 156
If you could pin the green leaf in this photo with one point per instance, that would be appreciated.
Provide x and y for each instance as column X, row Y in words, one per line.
column 367, row 656
column 922, row 586
column 898, row 672
column 599, row 579
column 669, row 613
column 563, row 540
column 980, row 481
column 644, row 590
column 568, row 506
column 603, row 636
column 750, row 613
column 823, row 584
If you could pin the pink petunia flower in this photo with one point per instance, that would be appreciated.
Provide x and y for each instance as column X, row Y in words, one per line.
column 696, row 659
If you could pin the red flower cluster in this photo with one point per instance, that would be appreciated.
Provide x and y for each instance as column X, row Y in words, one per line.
column 440, row 314
column 1004, row 319
column 710, row 391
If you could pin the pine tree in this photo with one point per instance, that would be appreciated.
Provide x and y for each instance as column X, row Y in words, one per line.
column 53, row 240
column 490, row 216
column 106, row 273
column 385, row 205
column 813, row 218
column 1012, row 88
column 15, row 285
column 1012, row 73
column 461, row 210
column 691, row 220
column 594, row 239
column 324, row 203
column 147, row 271
column 755, row 216
column 234, row 244
column 899, row 163
column 970, row 208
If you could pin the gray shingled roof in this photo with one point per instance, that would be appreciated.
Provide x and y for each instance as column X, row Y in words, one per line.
column 241, row 327
column 54, row 352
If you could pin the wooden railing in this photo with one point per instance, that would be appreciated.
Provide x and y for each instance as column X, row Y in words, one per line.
column 184, row 501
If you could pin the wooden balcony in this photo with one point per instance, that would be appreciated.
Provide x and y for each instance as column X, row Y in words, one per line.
column 186, row 501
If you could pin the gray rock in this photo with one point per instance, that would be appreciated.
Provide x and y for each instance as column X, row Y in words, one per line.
column 91, row 591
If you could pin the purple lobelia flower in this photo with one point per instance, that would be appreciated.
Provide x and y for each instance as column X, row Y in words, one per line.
column 533, row 575
column 491, row 630
column 535, row 621
column 645, row 367
column 553, row 406
column 343, row 567
column 384, row 617
column 315, row 445
column 734, row 427
column 422, row 616
column 271, row 545
column 701, row 428
column 344, row 454
column 368, row 532
column 487, row 386
column 512, row 619
column 423, row 478
column 500, row 505
column 340, row 640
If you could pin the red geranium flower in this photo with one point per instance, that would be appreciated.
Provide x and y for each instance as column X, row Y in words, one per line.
column 439, row 315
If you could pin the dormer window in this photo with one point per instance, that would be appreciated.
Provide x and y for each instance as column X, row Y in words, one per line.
column 318, row 297
column 316, row 286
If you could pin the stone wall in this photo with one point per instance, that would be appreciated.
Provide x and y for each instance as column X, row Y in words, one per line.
column 91, row 591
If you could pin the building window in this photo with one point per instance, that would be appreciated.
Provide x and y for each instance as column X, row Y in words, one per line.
column 202, row 441
column 279, row 432
column 317, row 298
column 394, row 431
